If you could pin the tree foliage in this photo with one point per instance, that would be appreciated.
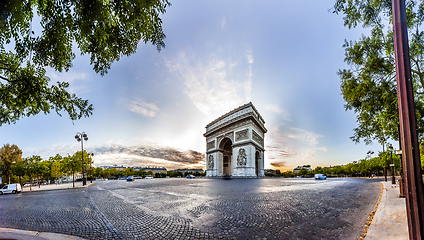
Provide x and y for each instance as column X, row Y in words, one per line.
column 106, row 30
column 369, row 86
column 10, row 155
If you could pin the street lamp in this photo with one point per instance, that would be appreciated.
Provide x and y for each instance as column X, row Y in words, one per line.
column 91, row 168
column 81, row 137
column 370, row 152
column 392, row 165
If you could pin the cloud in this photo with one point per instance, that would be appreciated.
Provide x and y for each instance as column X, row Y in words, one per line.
column 70, row 77
column 291, row 146
column 304, row 136
column 276, row 109
column 248, row 85
column 208, row 83
column 143, row 155
column 280, row 152
column 223, row 23
column 278, row 164
column 163, row 155
column 323, row 149
column 143, row 108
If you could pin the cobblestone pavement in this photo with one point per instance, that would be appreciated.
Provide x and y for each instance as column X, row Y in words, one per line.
column 198, row 209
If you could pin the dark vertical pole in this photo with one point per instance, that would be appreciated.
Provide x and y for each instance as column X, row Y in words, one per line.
column 408, row 126
column 82, row 160
column 401, row 188
column 393, row 167
column 385, row 172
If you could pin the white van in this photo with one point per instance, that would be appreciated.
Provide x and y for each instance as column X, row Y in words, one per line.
column 320, row 177
column 11, row 188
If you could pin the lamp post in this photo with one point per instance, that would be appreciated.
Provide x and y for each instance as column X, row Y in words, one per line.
column 81, row 137
column 370, row 152
column 91, row 168
column 392, row 165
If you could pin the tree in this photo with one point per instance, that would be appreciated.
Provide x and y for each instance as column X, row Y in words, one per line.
column 55, row 167
column 302, row 172
column 105, row 30
column 86, row 161
column 98, row 172
column 71, row 165
column 18, row 169
column 56, row 170
column 30, row 165
column 9, row 155
column 422, row 155
column 318, row 169
column 369, row 86
column 39, row 168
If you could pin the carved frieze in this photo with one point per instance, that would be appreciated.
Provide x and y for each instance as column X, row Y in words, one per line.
column 229, row 135
column 232, row 126
column 210, row 145
column 210, row 162
column 243, row 134
column 241, row 157
column 257, row 138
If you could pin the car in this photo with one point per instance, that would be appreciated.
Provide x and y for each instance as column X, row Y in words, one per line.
column 148, row 177
column 130, row 178
column 320, row 177
column 190, row 176
column 11, row 188
column 227, row 177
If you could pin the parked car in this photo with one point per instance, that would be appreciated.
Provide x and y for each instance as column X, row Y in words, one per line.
column 130, row 178
column 320, row 177
column 190, row 176
column 148, row 177
column 11, row 188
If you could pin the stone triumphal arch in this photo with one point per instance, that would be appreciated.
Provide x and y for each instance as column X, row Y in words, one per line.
column 235, row 144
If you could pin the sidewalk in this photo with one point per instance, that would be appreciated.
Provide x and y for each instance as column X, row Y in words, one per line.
column 55, row 187
column 390, row 220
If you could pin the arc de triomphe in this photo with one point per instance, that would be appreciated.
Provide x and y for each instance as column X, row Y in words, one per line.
column 235, row 144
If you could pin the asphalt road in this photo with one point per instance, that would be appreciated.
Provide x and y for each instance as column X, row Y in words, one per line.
column 198, row 209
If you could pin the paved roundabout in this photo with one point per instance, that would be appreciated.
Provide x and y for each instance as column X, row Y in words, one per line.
column 198, row 209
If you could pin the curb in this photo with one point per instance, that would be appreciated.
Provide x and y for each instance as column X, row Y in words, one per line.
column 371, row 216
column 55, row 189
column 18, row 234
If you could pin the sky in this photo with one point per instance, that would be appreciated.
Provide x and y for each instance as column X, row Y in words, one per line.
column 283, row 56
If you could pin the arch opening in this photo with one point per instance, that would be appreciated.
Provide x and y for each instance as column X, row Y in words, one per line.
column 227, row 151
column 257, row 159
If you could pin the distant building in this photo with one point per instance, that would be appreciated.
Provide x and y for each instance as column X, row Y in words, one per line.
column 189, row 170
column 307, row 167
column 113, row 166
column 155, row 170
column 271, row 171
